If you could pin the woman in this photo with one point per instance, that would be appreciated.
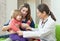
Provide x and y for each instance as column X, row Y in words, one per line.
column 26, row 15
column 46, row 27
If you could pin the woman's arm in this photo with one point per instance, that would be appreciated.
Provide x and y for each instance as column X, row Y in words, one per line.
column 32, row 24
column 5, row 26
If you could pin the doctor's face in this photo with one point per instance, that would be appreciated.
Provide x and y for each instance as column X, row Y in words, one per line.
column 41, row 15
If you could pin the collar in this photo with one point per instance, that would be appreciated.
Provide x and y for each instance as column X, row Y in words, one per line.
column 46, row 20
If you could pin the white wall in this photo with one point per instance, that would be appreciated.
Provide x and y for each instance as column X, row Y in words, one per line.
column 33, row 8
column 2, row 14
column 10, row 5
column 33, row 5
column 48, row 2
column 55, row 6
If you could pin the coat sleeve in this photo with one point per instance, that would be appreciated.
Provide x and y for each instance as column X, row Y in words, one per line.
column 41, row 32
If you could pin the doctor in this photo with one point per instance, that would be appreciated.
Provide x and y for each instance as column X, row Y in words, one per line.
column 46, row 27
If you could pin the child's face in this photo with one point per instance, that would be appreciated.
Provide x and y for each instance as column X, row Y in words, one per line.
column 18, row 17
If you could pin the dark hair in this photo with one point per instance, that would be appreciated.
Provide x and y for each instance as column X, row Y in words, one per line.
column 28, row 16
column 44, row 7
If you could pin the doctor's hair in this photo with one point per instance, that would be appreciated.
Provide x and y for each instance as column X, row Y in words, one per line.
column 44, row 7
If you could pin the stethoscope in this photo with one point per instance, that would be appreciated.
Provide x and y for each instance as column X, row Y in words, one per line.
column 43, row 23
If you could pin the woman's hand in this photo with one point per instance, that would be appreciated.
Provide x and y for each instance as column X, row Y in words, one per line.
column 5, row 28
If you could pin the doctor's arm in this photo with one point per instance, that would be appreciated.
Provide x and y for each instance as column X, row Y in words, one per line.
column 41, row 32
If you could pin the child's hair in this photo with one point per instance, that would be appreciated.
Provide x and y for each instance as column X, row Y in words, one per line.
column 15, row 13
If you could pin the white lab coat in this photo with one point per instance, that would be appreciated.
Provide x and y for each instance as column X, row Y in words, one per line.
column 45, row 33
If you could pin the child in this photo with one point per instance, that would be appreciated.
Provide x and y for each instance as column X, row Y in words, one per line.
column 16, row 21
column 14, row 25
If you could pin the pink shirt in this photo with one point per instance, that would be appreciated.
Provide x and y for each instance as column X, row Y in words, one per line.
column 14, row 25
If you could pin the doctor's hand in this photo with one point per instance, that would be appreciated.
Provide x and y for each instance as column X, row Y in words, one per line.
column 28, row 28
column 20, row 33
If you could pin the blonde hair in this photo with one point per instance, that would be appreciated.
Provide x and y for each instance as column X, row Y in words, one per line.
column 15, row 13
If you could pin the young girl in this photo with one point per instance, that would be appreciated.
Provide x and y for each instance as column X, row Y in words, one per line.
column 15, row 23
